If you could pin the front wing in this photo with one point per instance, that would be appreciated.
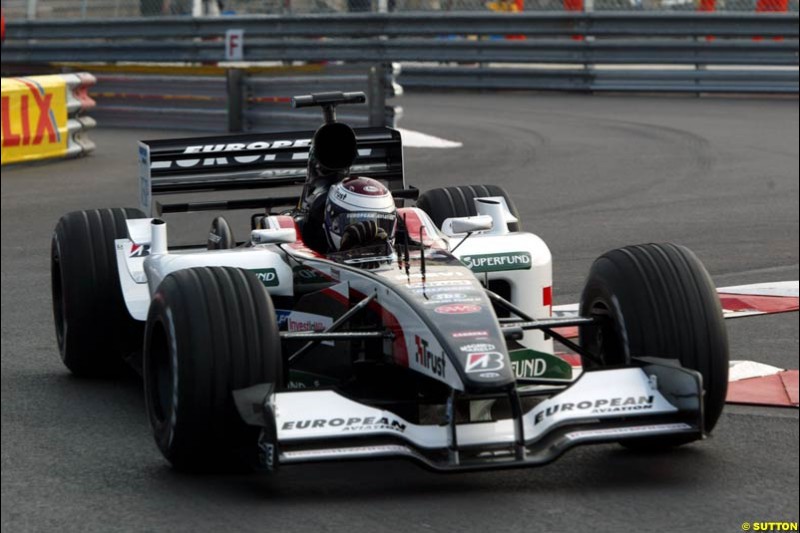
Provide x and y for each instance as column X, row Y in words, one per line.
column 654, row 400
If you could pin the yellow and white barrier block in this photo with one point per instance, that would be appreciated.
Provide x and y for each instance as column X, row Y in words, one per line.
column 39, row 117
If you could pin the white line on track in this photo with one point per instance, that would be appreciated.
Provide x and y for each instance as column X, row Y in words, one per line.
column 416, row 139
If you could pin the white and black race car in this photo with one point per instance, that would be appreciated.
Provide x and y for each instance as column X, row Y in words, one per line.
column 438, row 348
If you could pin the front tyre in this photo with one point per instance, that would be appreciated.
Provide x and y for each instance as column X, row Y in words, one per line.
column 93, row 328
column 210, row 331
column 658, row 300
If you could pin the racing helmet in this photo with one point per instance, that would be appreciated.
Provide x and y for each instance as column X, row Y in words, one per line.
column 360, row 203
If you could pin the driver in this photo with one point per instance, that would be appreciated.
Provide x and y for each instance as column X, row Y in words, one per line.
column 358, row 211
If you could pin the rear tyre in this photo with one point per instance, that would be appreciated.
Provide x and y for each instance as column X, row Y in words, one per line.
column 220, row 236
column 457, row 201
column 658, row 300
column 93, row 328
column 210, row 331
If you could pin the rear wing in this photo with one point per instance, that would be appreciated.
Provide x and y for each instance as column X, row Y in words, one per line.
column 252, row 161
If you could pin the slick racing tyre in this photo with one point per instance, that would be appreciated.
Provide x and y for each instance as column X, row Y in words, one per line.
column 93, row 328
column 457, row 201
column 210, row 331
column 658, row 300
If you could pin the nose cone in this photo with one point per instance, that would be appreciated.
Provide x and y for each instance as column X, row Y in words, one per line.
column 475, row 343
column 462, row 320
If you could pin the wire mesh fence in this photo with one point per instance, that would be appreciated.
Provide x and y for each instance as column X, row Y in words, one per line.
column 76, row 9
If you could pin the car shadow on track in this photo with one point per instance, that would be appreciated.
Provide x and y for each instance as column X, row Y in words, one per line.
column 113, row 415
column 601, row 468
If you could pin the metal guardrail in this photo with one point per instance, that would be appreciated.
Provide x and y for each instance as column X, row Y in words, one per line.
column 361, row 25
column 265, row 97
column 701, row 81
column 735, row 47
column 238, row 100
column 739, row 52
column 82, row 9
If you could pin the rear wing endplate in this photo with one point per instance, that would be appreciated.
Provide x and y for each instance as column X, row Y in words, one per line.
column 252, row 161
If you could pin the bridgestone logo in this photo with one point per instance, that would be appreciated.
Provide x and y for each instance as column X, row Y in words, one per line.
column 482, row 362
column 498, row 262
column 370, row 423
column 603, row 406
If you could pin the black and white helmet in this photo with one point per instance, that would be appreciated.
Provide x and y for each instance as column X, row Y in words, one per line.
column 364, row 204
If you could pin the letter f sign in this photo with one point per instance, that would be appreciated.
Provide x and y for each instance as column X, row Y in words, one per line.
column 234, row 45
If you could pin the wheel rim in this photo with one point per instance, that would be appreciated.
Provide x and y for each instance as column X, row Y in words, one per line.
column 604, row 340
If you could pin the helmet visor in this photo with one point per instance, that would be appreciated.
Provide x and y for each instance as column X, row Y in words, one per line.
column 384, row 221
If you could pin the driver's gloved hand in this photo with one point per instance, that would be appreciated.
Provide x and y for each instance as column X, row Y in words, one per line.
column 362, row 233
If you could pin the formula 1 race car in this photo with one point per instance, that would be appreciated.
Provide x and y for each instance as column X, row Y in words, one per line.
column 437, row 346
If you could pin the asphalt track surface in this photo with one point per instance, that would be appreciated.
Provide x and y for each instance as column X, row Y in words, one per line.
column 588, row 174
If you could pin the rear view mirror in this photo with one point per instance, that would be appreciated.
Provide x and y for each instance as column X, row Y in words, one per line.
column 463, row 225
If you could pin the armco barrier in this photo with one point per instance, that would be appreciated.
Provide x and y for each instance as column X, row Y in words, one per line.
column 266, row 102
column 217, row 99
column 744, row 51
column 396, row 25
column 42, row 117
column 700, row 81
